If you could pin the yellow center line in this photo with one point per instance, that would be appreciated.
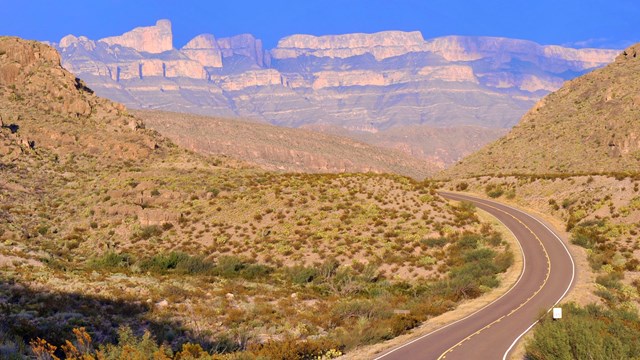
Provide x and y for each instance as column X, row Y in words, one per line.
column 444, row 355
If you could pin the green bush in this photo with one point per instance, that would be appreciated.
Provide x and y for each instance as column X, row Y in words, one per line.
column 147, row 232
column 435, row 242
column 494, row 190
column 301, row 274
column 586, row 333
column 178, row 262
column 112, row 260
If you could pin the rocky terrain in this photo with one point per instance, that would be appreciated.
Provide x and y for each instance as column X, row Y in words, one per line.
column 591, row 125
column 281, row 149
column 359, row 83
column 112, row 233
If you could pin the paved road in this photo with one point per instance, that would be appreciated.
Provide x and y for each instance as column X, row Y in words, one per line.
column 492, row 332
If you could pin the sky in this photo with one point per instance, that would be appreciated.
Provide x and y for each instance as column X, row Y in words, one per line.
column 577, row 23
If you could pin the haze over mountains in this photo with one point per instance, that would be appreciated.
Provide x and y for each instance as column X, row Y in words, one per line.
column 390, row 84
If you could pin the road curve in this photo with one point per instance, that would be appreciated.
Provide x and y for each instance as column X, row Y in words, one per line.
column 492, row 332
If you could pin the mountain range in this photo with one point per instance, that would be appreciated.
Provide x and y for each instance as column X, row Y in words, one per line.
column 381, row 88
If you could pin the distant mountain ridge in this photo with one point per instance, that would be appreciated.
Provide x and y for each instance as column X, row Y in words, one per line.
column 361, row 83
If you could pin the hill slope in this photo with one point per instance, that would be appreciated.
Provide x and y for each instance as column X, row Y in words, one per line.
column 590, row 125
column 281, row 149
column 104, row 224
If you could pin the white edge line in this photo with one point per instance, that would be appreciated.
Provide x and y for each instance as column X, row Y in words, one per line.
column 573, row 274
column 524, row 266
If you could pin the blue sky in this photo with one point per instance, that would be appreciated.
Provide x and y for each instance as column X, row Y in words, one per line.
column 580, row 23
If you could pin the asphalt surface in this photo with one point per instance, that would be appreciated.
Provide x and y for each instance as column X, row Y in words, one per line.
column 492, row 332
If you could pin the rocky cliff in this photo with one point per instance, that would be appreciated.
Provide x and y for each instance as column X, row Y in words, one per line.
column 381, row 45
column 357, row 82
column 205, row 50
column 245, row 45
column 152, row 39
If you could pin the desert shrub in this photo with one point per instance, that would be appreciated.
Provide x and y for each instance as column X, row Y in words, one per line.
column 292, row 349
column 494, row 239
column 112, row 261
column 494, row 190
column 462, row 186
column 147, row 232
column 229, row 266
column 255, row 271
column 233, row 267
column 167, row 226
column 586, row 333
column 301, row 274
column 435, row 242
column 566, row 203
column 511, row 194
column 582, row 240
column 611, row 280
column 178, row 262
column 503, row 261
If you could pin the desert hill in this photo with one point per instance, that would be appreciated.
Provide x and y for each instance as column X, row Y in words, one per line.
column 281, row 149
column 111, row 227
column 590, row 125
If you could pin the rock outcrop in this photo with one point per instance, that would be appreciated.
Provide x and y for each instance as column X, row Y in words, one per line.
column 47, row 107
column 503, row 50
column 152, row 39
column 22, row 70
column 249, row 79
column 244, row 45
column 205, row 50
column 381, row 45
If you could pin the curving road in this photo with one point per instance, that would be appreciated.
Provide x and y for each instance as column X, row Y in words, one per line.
column 493, row 331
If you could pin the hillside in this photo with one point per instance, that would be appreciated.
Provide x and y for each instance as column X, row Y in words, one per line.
column 590, row 125
column 281, row 149
column 391, row 80
column 111, row 232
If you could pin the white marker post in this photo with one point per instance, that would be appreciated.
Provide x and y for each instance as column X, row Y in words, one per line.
column 557, row 313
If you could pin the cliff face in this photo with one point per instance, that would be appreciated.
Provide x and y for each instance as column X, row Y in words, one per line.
column 205, row 50
column 356, row 82
column 152, row 39
column 245, row 45
column 381, row 45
